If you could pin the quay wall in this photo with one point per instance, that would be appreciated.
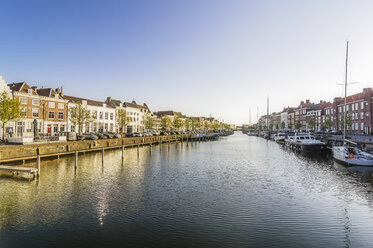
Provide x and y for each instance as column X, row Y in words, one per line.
column 30, row 151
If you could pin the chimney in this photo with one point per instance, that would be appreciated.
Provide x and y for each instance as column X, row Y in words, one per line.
column 307, row 101
column 321, row 101
column 301, row 102
column 108, row 99
column 34, row 88
column 58, row 91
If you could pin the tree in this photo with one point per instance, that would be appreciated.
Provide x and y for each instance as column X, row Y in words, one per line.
column 283, row 125
column 188, row 123
column 290, row 126
column 148, row 121
column 197, row 124
column 348, row 121
column 122, row 119
column 166, row 123
column 10, row 110
column 270, row 126
column 276, row 126
column 328, row 123
column 79, row 115
column 206, row 125
column 215, row 125
column 311, row 124
column 178, row 123
column 298, row 125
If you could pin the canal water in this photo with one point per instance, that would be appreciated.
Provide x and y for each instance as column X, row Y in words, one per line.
column 239, row 191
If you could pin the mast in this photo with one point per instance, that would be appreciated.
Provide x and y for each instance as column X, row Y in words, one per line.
column 344, row 110
column 267, row 111
column 250, row 116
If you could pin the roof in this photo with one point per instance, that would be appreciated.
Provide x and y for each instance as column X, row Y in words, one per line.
column 74, row 99
column 48, row 92
column 16, row 86
column 113, row 102
column 163, row 113
column 130, row 104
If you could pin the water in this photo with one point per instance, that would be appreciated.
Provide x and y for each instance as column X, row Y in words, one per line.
column 238, row 192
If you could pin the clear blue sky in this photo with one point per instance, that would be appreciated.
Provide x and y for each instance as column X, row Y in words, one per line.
column 196, row 56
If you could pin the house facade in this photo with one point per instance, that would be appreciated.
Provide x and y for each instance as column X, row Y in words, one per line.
column 102, row 115
column 45, row 111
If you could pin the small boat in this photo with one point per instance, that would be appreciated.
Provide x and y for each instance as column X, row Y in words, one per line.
column 352, row 156
column 305, row 142
column 289, row 139
column 280, row 138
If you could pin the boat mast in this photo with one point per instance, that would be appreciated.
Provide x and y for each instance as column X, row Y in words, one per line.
column 344, row 110
column 267, row 111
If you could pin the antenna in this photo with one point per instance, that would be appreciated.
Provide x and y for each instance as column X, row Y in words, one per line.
column 250, row 116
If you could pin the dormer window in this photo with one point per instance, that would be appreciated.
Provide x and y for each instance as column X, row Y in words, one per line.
column 29, row 91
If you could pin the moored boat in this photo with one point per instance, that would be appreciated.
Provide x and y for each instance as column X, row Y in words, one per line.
column 352, row 156
column 280, row 138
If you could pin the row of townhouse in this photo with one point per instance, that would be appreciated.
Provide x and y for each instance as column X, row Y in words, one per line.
column 46, row 111
column 327, row 115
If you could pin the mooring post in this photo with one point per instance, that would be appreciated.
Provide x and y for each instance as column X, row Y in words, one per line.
column 76, row 159
column 103, row 151
column 38, row 164
column 138, row 150
column 122, row 152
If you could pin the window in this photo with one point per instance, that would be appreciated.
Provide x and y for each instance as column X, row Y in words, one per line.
column 24, row 112
column 362, row 126
column 111, row 116
column 60, row 115
column 111, row 127
column 94, row 114
column 106, row 127
column 51, row 104
column 362, row 116
column 106, row 115
column 62, row 128
column 352, row 107
column 23, row 100
column 51, row 115
column 36, row 102
column 35, row 112
column 101, row 116
column 61, row 105
column 362, row 105
column 347, row 107
column 340, row 109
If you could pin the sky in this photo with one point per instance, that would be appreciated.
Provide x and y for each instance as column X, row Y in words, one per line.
column 200, row 57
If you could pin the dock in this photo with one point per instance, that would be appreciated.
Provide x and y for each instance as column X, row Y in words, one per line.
column 20, row 169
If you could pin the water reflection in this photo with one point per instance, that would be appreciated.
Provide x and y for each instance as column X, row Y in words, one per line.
column 240, row 191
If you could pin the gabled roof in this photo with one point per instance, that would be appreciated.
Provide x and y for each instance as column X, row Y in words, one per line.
column 113, row 102
column 48, row 92
column 130, row 104
column 16, row 86
column 163, row 113
column 74, row 99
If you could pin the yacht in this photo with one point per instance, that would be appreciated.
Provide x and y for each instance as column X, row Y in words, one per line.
column 305, row 142
column 280, row 138
column 352, row 156
column 346, row 154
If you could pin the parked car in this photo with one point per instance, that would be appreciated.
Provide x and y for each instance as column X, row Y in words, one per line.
column 115, row 135
column 109, row 135
column 91, row 136
column 80, row 137
column 137, row 134
column 129, row 135
column 100, row 136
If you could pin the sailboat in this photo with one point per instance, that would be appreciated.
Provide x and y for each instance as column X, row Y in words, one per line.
column 347, row 154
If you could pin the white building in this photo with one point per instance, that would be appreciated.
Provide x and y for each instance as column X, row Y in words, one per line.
column 103, row 116
column 4, row 87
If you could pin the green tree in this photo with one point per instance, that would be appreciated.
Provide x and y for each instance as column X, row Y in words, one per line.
column 197, row 125
column 10, row 110
column 348, row 121
column 290, row 126
column 283, row 125
column 206, row 125
column 79, row 115
column 270, row 126
column 178, row 123
column 122, row 119
column 166, row 123
column 298, row 125
column 276, row 126
column 328, row 123
column 188, row 123
column 215, row 125
column 148, row 121
column 311, row 124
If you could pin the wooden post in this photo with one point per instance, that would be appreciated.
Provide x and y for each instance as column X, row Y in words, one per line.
column 103, row 151
column 138, row 150
column 76, row 159
column 38, row 164
column 122, row 152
